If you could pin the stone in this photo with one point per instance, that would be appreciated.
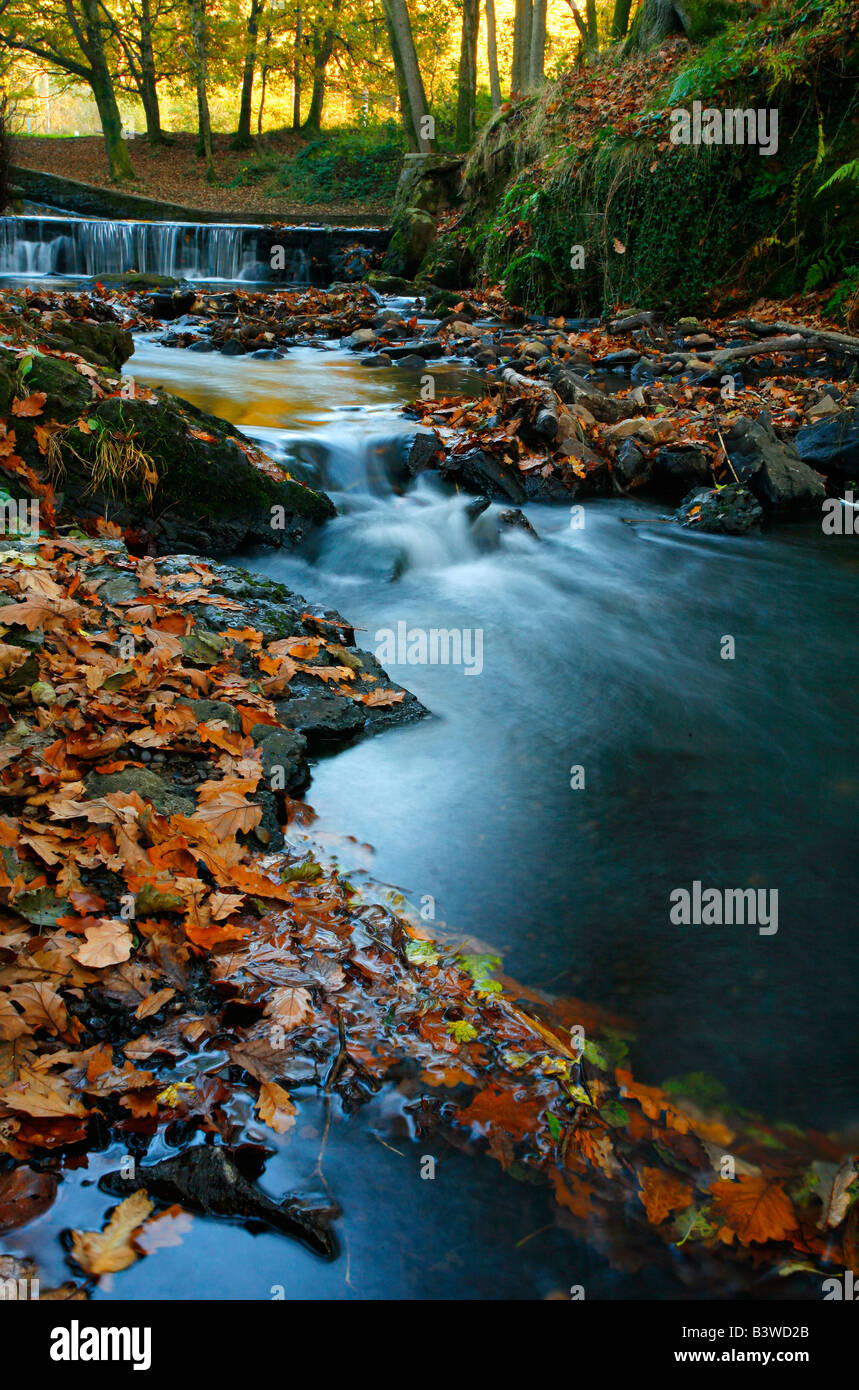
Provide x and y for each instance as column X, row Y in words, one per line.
column 772, row 469
column 282, row 748
column 730, row 511
column 831, row 445
column 148, row 785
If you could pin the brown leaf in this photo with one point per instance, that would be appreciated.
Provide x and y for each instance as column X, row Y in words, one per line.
column 661, row 1193
column 757, row 1209
column 110, row 1250
column 30, row 405
column 108, row 943
column 275, row 1107
column 24, row 1194
column 289, row 1007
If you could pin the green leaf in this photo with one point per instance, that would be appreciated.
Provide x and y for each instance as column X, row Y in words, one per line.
column 555, row 1126
column 461, row 1031
column 422, row 952
column 614, row 1114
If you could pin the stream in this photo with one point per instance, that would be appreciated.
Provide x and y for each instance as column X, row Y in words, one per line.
column 602, row 650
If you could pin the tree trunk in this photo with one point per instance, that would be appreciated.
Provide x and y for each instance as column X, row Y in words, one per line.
column 593, row 32
column 148, row 86
column 620, row 18
column 199, row 37
column 492, row 55
column 321, row 56
column 118, row 158
column 521, row 72
column 296, row 71
column 538, row 44
column 401, row 30
column 655, row 20
column 242, row 137
column 402, row 88
column 467, row 90
column 263, row 80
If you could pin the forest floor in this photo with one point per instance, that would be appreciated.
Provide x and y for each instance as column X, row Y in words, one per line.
column 176, row 174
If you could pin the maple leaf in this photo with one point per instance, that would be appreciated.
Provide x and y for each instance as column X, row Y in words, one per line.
column 756, row 1208
column 30, row 405
column 110, row 1250
column 275, row 1107
column 223, row 818
column 107, row 943
column 661, row 1193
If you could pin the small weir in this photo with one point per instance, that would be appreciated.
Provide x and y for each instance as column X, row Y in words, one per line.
column 302, row 255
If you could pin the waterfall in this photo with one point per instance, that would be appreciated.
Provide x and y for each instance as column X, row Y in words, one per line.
column 41, row 245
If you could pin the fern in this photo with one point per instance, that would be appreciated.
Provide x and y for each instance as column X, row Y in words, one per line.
column 848, row 173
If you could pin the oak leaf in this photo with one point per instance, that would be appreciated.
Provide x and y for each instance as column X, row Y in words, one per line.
column 110, row 1250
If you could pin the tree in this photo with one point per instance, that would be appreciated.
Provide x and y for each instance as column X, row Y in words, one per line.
column 134, row 28
column 538, row 44
column 467, row 88
column 242, row 137
column 200, row 42
column 492, row 56
column 403, row 46
column 323, row 47
column 587, row 27
column 520, row 75
column 620, row 18
column 296, row 70
column 72, row 35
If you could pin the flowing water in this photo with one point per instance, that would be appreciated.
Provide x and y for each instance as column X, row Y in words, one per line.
column 601, row 649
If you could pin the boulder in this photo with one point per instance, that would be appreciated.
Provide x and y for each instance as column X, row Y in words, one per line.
column 479, row 472
column 772, row 469
column 727, row 511
column 831, row 445
column 676, row 469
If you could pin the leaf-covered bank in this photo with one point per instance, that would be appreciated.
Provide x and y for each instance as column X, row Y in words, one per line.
column 577, row 200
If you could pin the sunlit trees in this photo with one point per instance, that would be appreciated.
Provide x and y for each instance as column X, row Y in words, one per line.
column 73, row 37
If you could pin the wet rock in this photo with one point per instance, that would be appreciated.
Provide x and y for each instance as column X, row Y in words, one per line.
column 323, row 717
column 728, row 511
column 514, row 518
column 284, row 751
column 411, row 362
column 148, row 785
column 389, row 284
column 362, row 337
column 479, row 472
column 427, row 348
column 631, row 465
column 676, row 469
column 209, row 1179
column 169, row 306
column 831, row 445
column 205, row 711
column 772, row 469
column 423, row 450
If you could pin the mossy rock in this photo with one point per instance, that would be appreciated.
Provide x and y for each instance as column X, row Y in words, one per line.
column 203, row 492
column 148, row 785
